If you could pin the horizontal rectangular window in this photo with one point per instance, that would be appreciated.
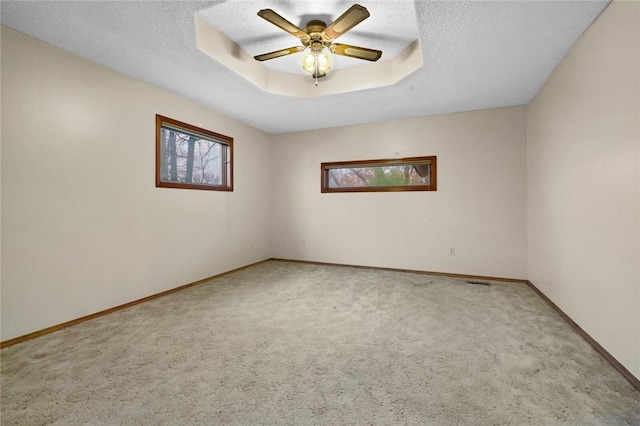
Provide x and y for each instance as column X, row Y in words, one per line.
column 404, row 174
column 192, row 158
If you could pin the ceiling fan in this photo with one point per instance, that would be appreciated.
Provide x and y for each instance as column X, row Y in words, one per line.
column 316, row 36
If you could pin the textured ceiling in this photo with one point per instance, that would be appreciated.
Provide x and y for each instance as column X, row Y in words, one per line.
column 476, row 54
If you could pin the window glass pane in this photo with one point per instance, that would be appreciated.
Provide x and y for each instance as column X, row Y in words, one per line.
column 395, row 175
column 191, row 159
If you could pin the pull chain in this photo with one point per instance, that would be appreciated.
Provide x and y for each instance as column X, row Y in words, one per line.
column 316, row 56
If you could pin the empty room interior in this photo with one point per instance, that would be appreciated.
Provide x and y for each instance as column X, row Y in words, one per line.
column 437, row 221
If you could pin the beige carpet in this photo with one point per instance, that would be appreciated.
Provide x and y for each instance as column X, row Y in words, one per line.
column 288, row 343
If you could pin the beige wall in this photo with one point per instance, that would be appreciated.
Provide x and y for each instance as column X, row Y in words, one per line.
column 83, row 226
column 479, row 208
column 584, row 184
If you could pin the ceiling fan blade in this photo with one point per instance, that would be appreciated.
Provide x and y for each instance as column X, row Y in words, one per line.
column 352, row 17
column 355, row 52
column 279, row 53
column 282, row 23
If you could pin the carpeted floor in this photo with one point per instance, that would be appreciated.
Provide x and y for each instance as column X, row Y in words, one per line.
column 303, row 344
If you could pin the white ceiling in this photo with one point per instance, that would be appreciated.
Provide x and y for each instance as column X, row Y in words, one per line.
column 476, row 54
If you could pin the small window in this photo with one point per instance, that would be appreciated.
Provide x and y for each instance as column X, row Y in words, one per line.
column 192, row 158
column 404, row 174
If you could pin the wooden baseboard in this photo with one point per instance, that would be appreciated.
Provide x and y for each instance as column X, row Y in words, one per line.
column 412, row 271
column 605, row 354
column 57, row 327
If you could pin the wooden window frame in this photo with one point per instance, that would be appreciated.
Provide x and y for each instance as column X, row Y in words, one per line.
column 325, row 167
column 227, row 155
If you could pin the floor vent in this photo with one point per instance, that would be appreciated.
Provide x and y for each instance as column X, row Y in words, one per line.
column 478, row 282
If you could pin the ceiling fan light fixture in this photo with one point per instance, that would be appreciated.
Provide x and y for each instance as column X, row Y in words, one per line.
column 317, row 36
column 316, row 63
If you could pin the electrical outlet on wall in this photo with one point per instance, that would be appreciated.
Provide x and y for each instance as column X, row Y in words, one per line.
column 452, row 251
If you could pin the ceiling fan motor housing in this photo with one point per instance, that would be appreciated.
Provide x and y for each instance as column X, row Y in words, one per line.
column 317, row 40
